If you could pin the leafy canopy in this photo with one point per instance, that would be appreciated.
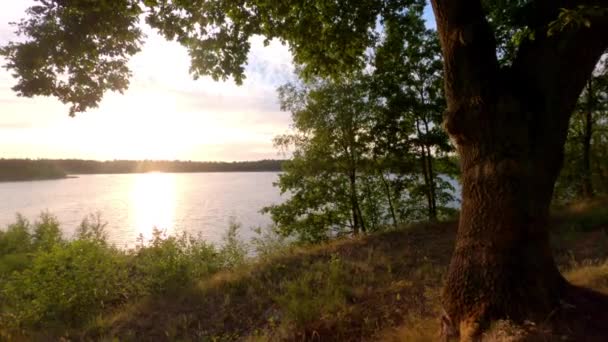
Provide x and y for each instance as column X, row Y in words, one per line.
column 76, row 50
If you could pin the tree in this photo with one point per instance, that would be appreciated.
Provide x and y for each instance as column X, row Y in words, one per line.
column 330, row 144
column 408, row 81
column 343, row 176
column 506, row 113
column 582, row 175
column 367, row 146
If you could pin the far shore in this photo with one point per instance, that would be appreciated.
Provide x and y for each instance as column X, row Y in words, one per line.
column 32, row 179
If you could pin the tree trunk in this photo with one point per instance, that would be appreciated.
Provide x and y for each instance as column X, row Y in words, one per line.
column 502, row 266
column 391, row 206
column 372, row 212
column 428, row 189
column 509, row 125
column 432, row 185
column 587, row 186
column 358, row 224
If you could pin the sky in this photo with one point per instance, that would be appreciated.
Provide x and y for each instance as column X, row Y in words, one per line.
column 164, row 114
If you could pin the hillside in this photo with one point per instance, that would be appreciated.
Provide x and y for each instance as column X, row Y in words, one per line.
column 380, row 287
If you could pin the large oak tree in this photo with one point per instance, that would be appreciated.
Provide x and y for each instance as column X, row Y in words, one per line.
column 513, row 73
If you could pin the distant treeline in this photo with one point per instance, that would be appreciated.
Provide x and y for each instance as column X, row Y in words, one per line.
column 26, row 169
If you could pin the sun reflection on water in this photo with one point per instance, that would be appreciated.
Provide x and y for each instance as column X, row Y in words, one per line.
column 153, row 203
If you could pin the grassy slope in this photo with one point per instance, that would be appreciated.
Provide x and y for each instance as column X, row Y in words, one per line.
column 379, row 287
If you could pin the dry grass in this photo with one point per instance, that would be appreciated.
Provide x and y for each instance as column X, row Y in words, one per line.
column 591, row 274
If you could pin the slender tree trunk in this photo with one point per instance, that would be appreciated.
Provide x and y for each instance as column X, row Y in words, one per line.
column 372, row 213
column 425, row 172
column 432, row 184
column 363, row 226
column 358, row 224
column 391, row 207
column 587, row 186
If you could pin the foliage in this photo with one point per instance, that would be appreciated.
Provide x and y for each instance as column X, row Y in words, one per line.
column 167, row 263
column 28, row 169
column 46, row 234
column 330, row 144
column 367, row 147
column 78, row 50
column 66, row 284
column 233, row 252
column 75, row 50
column 24, row 169
column 48, row 281
column 87, row 43
column 585, row 170
column 267, row 242
column 384, row 286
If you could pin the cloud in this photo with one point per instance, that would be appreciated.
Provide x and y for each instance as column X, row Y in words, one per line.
column 12, row 11
column 15, row 125
column 205, row 119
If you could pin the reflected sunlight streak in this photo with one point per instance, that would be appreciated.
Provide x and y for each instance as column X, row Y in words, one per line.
column 153, row 203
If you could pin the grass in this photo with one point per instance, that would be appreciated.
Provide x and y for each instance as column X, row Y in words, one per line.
column 379, row 287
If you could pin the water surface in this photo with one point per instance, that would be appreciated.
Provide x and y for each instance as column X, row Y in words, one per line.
column 133, row 204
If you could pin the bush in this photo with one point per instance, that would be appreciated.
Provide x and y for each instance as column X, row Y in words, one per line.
column 268, row 243
column 170, row 263
column 234, row 251
column 46, row 234
column 16, row 238
column 66, row 285
column 47, row 281
column 15, row 246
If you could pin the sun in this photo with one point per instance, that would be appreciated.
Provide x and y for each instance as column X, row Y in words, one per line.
column 147, row 126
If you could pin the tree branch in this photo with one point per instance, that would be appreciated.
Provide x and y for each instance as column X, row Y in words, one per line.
column 557, row 66
column 549, row 74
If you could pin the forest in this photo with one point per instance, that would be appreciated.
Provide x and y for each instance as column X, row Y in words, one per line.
column 508, row 99
column 34, row 169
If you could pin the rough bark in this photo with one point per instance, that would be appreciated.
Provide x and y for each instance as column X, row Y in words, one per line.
column 509, row 126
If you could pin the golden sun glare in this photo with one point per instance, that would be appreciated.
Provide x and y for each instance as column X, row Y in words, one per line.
column 153, row 202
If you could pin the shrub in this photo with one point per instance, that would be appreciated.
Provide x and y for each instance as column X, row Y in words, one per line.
column 233, row 252
column 15, row 246
column 46, row 281
column 268, row 243
column 170, row 263
column 66, row 284
column 16, row 238
column 92, row 228
column 46, row 234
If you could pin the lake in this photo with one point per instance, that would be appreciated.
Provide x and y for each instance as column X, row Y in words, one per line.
column 133, row 204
